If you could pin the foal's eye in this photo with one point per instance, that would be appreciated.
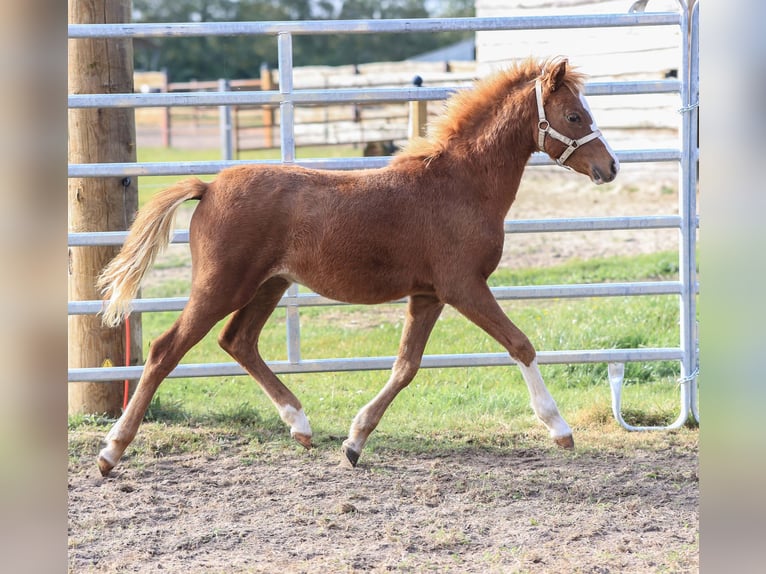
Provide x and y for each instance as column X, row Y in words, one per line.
column 573, row 118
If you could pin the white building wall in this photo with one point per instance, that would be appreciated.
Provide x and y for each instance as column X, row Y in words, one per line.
column 635, row 52
column 605, row 54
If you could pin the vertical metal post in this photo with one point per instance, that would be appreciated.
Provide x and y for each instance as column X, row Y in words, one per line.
column 692, row 111
column 286, row 107
column 687, row 237
column 224, row 122
column 687, row 234
column 293, row 326
column 287, row 144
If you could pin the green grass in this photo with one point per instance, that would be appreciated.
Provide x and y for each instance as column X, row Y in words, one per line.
column 661, row 266
column 461, row 406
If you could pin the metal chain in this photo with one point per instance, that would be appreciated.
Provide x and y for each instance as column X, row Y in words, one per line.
column 685, row 109
column 689, row 378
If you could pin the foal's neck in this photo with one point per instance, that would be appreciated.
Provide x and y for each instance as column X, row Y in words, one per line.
column 500, row 151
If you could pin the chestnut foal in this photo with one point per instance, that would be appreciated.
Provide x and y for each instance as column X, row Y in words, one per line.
column 428, row 226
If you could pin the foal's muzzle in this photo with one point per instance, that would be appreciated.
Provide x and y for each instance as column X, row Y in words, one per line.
column 599, row 177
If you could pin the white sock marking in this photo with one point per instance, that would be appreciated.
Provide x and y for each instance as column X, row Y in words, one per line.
column 542, row 402
column 297, row 420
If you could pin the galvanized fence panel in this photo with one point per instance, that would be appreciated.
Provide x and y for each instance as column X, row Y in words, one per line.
column 687, row 86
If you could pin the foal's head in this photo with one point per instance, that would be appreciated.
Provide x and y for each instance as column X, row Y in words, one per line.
column 566, row 130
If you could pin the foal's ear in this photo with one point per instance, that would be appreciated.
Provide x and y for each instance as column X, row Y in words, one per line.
column 554, row 77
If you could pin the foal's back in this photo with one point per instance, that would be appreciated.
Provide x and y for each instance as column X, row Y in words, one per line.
column 364, row 236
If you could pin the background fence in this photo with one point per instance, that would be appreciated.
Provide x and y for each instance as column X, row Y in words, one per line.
column 287, row 98
column 257, row 127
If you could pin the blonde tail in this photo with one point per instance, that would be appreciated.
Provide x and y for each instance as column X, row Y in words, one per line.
column 149, row 235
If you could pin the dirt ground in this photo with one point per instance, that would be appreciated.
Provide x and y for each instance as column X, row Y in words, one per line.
column 629, row 508
column 476, row 510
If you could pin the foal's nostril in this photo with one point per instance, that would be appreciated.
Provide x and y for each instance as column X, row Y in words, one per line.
column 614, row 168
column 596, row 175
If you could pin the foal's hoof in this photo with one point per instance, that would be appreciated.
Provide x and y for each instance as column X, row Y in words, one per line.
column 565, row 441
column 104, row 465
column 350, row 457
column 303, row 439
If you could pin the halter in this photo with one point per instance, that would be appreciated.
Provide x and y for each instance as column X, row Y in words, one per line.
column 544, row 127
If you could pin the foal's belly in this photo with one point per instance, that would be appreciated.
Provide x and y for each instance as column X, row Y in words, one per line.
column 357, row 296
column 361, row 282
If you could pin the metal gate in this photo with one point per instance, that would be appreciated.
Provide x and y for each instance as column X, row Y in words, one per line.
column 686, row 156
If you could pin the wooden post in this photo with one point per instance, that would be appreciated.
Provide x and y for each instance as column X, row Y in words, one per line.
column 99, row 204
column 235, row 132
column 165, row 121
column 418, row 114
column 267, row 84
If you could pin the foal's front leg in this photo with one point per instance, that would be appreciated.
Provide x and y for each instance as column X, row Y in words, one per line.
column 422, row 313
column 479, row 305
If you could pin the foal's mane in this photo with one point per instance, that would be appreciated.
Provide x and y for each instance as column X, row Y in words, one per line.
column 467, row 109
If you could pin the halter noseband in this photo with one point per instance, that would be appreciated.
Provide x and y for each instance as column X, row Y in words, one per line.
column 544, row 127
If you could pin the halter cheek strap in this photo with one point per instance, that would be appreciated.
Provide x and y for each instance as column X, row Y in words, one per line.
column 544, row 127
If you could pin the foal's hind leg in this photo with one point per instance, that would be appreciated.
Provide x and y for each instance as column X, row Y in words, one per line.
column 422, row 313
column 240, row 339
column 480, row 306
column 166, row 351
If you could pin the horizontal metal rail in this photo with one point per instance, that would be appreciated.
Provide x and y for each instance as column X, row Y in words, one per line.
column 396, row 26
column 594, row 223
column 501, row 293
column 101, row 238
column 339, row 96
column 304, row 97
column 385, row 363
column 214, row 166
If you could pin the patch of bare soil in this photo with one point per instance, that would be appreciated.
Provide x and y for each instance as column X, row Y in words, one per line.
column 469, row 511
